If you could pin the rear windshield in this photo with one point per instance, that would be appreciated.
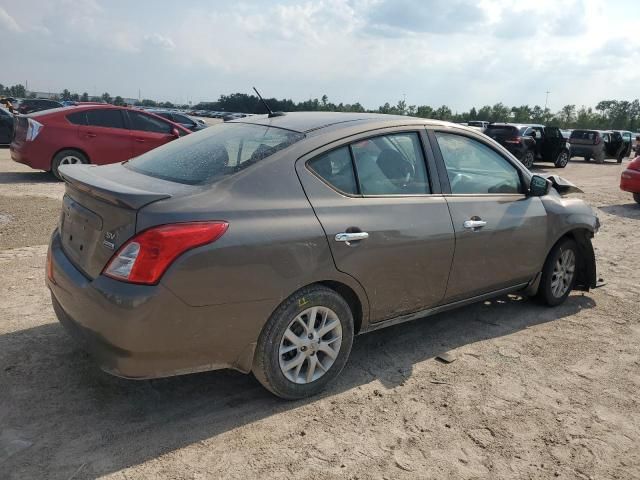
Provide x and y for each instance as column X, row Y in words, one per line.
column 501, row 131
column 475, row 124
column 213, row 153
column 584, row 134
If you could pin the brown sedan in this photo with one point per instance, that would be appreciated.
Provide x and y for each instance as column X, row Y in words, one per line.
column 265, row 244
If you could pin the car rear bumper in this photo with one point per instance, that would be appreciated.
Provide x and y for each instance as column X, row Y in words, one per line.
column 138, row 331
column 630, row 181
column 584, row 151
column 28, row 154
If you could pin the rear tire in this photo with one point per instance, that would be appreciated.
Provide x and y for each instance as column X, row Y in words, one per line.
column 67, row 157
column 295, row 335
column 636, row 197
column 562, row 160
column 587, row 158
column 527, row 159
column 559, row 273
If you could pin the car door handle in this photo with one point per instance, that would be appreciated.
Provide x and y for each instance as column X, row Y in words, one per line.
column 91, row 135
column 474, row 224
column 140, row 140
column 351, row 237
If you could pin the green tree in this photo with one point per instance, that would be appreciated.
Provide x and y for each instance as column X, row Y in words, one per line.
column 65, row 95
column 16, row 91
column 84, row 97
column 118, row 101
column 107, row 98
column 425, row 111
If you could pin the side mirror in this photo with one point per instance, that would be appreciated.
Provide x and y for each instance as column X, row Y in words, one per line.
column 175, row 132
column 539, row 186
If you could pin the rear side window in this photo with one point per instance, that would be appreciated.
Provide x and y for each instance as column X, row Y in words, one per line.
column 214, row 153
column 391, row 165
column 105, row 118
column 584, row 135
column 502, row 131
column 336, row 169
column 147, row 123
column 78, row 118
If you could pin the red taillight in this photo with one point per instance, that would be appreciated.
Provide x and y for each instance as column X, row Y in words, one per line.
column 513, row 140
column 144, row 258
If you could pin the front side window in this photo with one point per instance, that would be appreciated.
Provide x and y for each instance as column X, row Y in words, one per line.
column 147, row 123
column 474, row 168
column 336, row 169
column 104, row 118
column 391, row 165
column 213, row 154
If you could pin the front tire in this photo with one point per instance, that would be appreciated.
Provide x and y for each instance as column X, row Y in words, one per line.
column 562, row 160
column 305, row 343
column 636, row 197
column 67, row 157
column 559, row 273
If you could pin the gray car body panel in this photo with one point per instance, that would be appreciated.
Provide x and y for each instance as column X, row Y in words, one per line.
column 210, row 306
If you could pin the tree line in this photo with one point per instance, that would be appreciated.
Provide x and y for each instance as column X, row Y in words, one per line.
column 607, row 114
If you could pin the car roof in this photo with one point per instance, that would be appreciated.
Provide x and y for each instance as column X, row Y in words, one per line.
column 318, row 122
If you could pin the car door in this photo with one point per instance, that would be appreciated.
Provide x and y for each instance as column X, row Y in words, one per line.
column 387, row 224
column 148, row 132
column 553, row 144
column 6, row 126
column 500, row 232
column 615, row 146
column 103, row 135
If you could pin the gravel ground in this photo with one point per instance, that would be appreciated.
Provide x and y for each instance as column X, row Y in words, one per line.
column 533, row 392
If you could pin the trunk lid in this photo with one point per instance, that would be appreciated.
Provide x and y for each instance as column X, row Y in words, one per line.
column 100, row 208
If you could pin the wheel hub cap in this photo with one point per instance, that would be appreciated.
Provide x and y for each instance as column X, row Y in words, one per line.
column 563, row 273
column 310, row 345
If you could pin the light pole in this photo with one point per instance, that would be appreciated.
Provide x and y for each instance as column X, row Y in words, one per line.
column 546, row 100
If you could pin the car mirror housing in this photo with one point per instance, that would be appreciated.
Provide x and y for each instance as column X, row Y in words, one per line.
column 539, row 186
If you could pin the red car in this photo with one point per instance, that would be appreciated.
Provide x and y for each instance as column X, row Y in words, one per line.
column 630, row 179
column 96, row 134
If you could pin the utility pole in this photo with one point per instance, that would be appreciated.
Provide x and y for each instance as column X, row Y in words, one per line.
column 546, row 100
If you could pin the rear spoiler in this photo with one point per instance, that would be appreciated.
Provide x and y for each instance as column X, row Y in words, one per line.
column 86, row 178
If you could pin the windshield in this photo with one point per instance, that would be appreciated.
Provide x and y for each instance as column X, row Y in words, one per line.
column 213, row 153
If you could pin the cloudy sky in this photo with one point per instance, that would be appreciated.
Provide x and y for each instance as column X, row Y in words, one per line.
column 455, row 52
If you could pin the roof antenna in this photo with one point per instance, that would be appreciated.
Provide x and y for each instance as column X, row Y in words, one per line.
column 266, row 105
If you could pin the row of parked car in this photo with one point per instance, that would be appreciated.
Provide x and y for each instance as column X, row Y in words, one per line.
column 536, row 142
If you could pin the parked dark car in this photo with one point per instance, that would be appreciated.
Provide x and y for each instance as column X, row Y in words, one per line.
column 186, row 121
column 32, row 105
column 6, row 126
column 265, row 244
column 598, row 145
column 531, row 143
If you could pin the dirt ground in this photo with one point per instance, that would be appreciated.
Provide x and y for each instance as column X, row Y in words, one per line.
column 533, row 393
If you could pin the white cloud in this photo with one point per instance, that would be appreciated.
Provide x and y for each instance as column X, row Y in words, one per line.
column 455, row 52
column 157, row 40
column 8, row 22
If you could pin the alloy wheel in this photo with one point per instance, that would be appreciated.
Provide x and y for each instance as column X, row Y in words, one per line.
column 563, row 159
column 310, row 345
column 70, row 160
column 528, row 159
column 563, row 273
